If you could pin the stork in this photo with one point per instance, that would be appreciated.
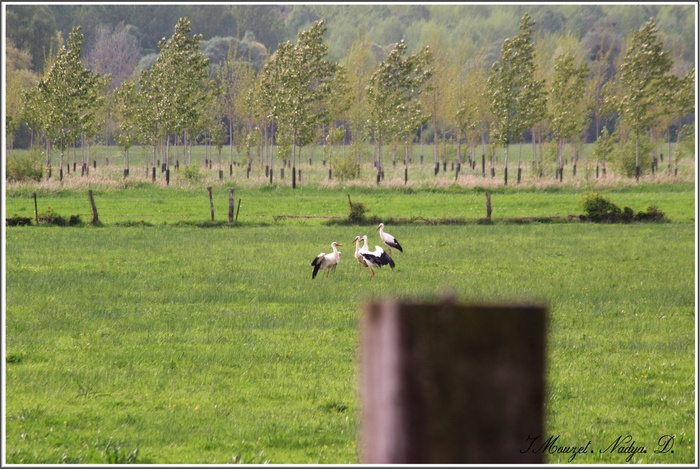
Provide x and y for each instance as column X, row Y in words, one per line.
column 377, row 258
column 388, row 239
column 358, row 255
column 325, row 261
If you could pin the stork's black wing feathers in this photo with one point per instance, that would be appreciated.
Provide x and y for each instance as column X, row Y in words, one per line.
column 379, row 260
column 385, row 259
column 317, row 265
column 396, row 245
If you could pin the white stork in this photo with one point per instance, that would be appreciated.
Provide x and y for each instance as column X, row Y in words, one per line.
column 388, row 239
column 325, row 261
column 377, row 258
column 358, row 255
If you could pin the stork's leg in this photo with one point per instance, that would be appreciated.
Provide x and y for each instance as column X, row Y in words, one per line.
column 389, row 250
column 371, row 275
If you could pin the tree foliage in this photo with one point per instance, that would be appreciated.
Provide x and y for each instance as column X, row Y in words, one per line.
column 297, row 82
column 511, row 85
column 394, row 94
column 18, row 77
column 376, row 92
column 644, row 81
column 514, row 93
column 173, row 91
column 32, row 28
column 65, row 102
column 568, row 110
column 643, row 77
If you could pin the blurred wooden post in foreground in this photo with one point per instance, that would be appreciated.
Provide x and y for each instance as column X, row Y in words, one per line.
column 445, row 383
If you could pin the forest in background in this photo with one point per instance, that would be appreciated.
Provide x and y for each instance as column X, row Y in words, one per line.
column 35, row 28
column 122, row 40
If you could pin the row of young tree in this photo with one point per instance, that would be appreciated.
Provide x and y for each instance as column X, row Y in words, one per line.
column 300, row 98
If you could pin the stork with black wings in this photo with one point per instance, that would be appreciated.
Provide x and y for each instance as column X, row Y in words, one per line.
column 388, row 239
column 376, row 259
column 326, row 262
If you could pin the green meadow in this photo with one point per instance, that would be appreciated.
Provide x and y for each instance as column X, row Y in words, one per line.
column 161, row 337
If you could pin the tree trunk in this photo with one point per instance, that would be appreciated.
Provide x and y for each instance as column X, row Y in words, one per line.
column 294, row 162
column 230, row 145
column 270, row 150
column 636, row 155
column 405, row 165
column 436, row 150
column 167, row 162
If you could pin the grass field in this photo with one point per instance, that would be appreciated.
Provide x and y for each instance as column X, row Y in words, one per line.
column 154, row 339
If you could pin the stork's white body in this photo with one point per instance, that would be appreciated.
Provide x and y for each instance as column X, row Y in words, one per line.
column 358, row 255
column 325, row 261
column 388, row 239
column 376, row 259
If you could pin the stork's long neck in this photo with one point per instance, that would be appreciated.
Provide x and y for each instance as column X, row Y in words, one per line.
column 364, row 246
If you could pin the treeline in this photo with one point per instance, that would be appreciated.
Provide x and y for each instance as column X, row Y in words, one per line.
column 33, row 27
column 545, row 89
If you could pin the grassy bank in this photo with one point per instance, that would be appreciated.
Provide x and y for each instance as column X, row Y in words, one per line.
column 264, row 205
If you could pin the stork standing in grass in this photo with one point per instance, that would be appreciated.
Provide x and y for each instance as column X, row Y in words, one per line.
column 388, row 239
column 375, row 259
column 325, row 261
column 358, row 255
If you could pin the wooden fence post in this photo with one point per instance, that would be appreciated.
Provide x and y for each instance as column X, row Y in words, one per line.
column 36, row 210
column 488, row 205
column 211, row 203
column 95, row 219
column 446, row 383
column 231, row 199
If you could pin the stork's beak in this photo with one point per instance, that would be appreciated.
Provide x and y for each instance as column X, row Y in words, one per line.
column 376, row 228
column 338, row 244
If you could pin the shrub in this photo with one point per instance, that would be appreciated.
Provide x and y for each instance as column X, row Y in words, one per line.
column 624, row 156
column 52, row 218
column 357, row 212
column 16, row 220
column 25, row 167
column 599, row 209
column 346, row 168
column 191, row 172
column 652, row 214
